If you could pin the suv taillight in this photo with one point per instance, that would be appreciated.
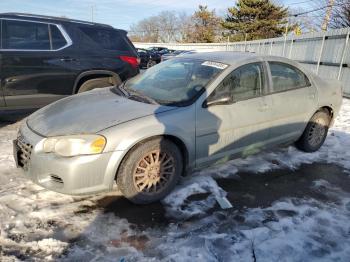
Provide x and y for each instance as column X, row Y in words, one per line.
column 133, row 61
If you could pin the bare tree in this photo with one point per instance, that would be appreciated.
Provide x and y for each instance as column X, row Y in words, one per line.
column 168, row 23
column 167, row 26
column 145, row 30
column 341, row 14
column 329, row 14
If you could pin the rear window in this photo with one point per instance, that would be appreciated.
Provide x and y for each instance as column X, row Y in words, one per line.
column 25, row 35
column 107, row 38
column 286, row 77
column 58, row 41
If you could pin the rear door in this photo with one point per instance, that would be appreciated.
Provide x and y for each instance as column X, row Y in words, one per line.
column 293, row 101
column 236, row 127
column 35, row 68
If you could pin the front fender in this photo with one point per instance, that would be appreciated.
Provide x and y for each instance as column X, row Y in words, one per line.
column 123, row 137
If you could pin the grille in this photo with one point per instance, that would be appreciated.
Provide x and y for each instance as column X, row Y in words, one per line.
column 24, row 152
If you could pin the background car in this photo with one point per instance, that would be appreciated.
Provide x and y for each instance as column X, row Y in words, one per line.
column 47, row 58
column 176, row 53
column 159, row 49
column 180, row 115
column 148, row 58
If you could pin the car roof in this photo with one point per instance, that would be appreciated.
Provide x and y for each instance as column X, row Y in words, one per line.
column 50, row 19
column 230, row 57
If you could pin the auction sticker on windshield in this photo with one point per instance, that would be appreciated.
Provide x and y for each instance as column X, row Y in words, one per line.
column 214, row 64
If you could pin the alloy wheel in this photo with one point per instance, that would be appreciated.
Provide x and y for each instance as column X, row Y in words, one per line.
column 153, row 172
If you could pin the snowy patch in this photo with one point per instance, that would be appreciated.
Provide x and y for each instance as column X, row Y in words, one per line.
column 39, row 225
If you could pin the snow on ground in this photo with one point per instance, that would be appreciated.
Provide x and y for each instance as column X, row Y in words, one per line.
column 36, row 224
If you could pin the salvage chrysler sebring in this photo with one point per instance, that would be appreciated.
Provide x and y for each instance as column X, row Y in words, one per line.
column 180, row 115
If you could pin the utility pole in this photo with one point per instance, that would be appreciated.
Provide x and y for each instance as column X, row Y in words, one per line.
column 328, row 15
column 285, row 37
column 92, row 13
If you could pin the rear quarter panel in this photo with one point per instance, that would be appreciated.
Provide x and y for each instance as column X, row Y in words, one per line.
column 329, row 93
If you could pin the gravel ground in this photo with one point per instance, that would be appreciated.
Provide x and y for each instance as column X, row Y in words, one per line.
column 287, row 206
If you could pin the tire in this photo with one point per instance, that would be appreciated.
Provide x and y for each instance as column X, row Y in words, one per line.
column 151, row 63
column 137, row 167
column 315, row 132
column 95, row 83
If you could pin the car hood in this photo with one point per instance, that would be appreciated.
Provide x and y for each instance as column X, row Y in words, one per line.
column 89, row 112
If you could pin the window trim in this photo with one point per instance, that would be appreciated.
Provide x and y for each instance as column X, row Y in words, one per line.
column 271, row 88
column 264, row 82
column 69, row 41
column 0, row 34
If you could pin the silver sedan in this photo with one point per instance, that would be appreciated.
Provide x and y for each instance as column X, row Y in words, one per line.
column 184, row 114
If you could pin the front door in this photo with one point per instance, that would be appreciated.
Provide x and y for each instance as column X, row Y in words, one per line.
column 238, row 126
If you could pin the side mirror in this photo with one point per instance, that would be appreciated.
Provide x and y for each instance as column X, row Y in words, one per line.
column 219, row 101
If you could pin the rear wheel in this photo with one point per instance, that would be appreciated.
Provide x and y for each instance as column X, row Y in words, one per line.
column 95, row 83
column 315, row 132
column 151, row 63
column 150, row 171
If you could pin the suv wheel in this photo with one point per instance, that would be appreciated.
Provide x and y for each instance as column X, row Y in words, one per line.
column 94, row 83
column 315, row 132
column 150, row 171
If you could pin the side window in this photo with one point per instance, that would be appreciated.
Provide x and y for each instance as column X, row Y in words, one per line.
column 286, row 77
column 243, row 83
column 107, row 38
column 25, row 35
column 58, row 40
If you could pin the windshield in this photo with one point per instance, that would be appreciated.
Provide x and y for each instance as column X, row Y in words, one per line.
column 176, row 81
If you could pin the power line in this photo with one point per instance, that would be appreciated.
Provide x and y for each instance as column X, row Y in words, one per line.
column 313, row 10
column 298, row 3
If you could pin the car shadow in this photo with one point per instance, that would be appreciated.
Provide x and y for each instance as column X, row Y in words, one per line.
column 10, row 117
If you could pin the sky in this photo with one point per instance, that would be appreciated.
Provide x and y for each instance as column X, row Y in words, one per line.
column 120, row 14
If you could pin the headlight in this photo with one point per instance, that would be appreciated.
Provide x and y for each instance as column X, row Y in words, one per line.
column 75, row 145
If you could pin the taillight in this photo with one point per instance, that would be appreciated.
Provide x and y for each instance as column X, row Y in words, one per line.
column 133, row 61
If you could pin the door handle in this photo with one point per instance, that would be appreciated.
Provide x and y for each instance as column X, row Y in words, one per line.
column 68, row 59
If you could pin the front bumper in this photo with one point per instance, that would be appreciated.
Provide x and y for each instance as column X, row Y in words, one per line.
column 77, row 175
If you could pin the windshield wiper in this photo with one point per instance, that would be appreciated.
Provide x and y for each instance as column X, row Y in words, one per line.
column 137, row 94
column 122, row 89
column 132, row 93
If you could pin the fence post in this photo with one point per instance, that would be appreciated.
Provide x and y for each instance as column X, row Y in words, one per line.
column 291, row 48
column 228, row 40
column 343, row 54
column 320, row 55
column 245, row 43
column 285, row 37
column 271, row 47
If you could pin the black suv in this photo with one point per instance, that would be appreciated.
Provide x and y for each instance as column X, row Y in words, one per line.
column 43, row 58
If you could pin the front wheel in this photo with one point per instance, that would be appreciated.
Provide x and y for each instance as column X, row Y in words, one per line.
column 150, row 171
column 315, row 132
